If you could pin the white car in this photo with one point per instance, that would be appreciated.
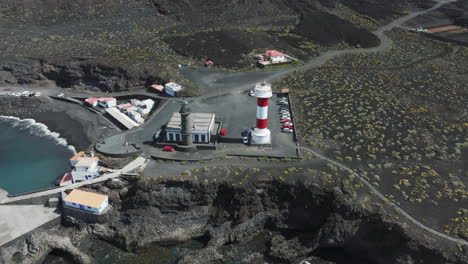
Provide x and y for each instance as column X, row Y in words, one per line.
column 251, row 93
column 37, row 94
column 60, row 95
column 245, row 140
column 157, row 135
column 287, row 130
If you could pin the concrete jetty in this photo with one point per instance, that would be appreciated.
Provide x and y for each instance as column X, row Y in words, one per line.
column 19, row 215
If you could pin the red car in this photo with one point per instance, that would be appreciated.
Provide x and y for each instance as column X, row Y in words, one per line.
column 285, row 120
column 288, row 126
column 168, row 148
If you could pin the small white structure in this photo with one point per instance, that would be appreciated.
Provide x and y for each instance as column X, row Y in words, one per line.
column 148, row 106
column 203, row 125
column 122, row 118
column 172, row 88
column 85, row 169
column 76, row 158
column 144, row 107
column 87, row 201
column 275, row 56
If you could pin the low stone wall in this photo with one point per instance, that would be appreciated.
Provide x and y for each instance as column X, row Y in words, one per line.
column 41, row 200
column 87, row 217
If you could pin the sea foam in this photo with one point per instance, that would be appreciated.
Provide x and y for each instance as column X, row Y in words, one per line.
column 37, row 129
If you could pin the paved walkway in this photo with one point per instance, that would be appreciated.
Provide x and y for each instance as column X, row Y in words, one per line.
column 17, row 220
column 386, row 200
column 139, row 162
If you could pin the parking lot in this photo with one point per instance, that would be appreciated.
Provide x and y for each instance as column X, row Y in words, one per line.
column 237, row 112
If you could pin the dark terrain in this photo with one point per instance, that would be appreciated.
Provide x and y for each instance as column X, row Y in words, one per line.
column 262, row 218
column 397, row 117
column 119, row 45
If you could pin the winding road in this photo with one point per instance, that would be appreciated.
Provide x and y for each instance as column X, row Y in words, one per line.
column 221, row 83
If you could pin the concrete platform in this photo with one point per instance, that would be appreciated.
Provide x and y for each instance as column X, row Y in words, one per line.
column 17, row 220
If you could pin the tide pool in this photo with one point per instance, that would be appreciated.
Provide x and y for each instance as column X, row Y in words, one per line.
column 31, row 156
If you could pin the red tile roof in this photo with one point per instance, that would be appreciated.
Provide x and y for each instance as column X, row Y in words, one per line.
column 66, row 177
column 92, row 100
column 78, row 155
column 104, row 99
column 274, row 53
column 157, row 87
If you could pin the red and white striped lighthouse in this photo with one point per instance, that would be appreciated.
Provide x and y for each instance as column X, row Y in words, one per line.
column 261, row 134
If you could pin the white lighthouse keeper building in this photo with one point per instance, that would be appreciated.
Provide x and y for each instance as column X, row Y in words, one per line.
column 261, row 134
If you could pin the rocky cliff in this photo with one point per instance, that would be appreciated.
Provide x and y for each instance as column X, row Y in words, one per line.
column 300, row 220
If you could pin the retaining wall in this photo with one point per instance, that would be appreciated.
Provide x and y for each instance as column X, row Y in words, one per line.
column 86, row 216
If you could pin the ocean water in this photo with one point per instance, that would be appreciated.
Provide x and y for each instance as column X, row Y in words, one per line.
column 31, row 156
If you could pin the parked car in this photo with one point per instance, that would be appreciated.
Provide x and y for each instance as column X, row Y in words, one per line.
column 245, row 140
column 60, row 94
column 288, row 126
column 245, row 132
column 37, row 94
column 251, row 93
column 287, row 130
column 157, row 135
column 285, row 120
column 168, row 148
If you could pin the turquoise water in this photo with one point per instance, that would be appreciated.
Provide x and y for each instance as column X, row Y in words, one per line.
column 31, row 157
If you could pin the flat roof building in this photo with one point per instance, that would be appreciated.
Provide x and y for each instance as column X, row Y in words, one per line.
column 203, row 125
column 172, row 88
column 87, row 201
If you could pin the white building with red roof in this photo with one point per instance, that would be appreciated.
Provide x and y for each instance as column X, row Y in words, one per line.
column 105, row 102
column 275, row 56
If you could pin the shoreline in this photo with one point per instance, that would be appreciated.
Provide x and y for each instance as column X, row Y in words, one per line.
column 71, row 122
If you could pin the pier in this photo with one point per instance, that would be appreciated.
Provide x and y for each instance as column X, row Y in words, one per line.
column 20, row 215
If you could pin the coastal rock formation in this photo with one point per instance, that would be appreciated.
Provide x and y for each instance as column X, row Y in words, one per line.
column 300, row 220
column 83, row 75
column 37, row 245
column 303, row 218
